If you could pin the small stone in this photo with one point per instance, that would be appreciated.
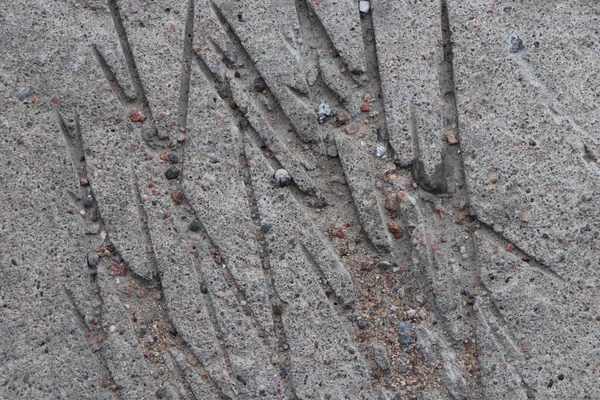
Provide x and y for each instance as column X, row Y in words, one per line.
column 525, row 217
column 117, row 269
column 351, row 130
column 266, row 226
column 259, row 84
column 362, row 324
column 195, row 226
column 364, row 6
column 342, row 119
column 384, row 265
column 97, row 347
column 282, row 177
column 390, row 202
column 112, row 329
column 396, row 230
column 224, row 91
column 283, row 373
column 451, row 138
column 325, row 109
column 88, row 202
column 365, row 107
column 23, row 94
column 405, row 330
column 203, row 288
column 244, row 124
column 332, row 151
column 136, row 115
column 161, row 134
column 380, row 356
column 92, row 259
column 177, row 197
column 83, row 181
column 172, row 172
column 516, row 44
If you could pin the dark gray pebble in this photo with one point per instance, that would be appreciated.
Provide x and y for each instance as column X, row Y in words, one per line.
column 283, row 372
column 405, row 333
column 384, row 265
column 195, row 226
column 92, row 259
column 224, row 91
column 172, row 172
column 88, row 202
column 266, row 226
column 516, row 44
column 260, row 84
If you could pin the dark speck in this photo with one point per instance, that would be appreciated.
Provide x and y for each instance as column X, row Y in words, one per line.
column 241, row 379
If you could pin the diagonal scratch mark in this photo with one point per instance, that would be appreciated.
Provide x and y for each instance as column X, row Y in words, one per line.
column 530, row 259
column 188, row 55
column 117, row 88
column 130, row 59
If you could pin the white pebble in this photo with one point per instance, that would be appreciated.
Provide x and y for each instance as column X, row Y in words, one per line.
column 364, row 6
column 324, row 109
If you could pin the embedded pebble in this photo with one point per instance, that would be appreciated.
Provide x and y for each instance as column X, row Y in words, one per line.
column 88, row 202
column 259, row 84
column 23, row 94
column 172, row 172
column 195, row 226
column 92, row 259
column 384, row 265
column 380, row 356
column 405, row 333
column 266, row 226
column 364, row 6
column 282, row 177
column 325, row 109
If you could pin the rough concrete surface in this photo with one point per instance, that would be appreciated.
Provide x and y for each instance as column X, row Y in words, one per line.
column 299, row 199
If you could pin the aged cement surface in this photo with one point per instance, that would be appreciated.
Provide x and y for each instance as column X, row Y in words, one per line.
column 437, row 237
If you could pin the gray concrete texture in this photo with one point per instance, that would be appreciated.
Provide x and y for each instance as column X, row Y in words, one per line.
column 297, row 199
